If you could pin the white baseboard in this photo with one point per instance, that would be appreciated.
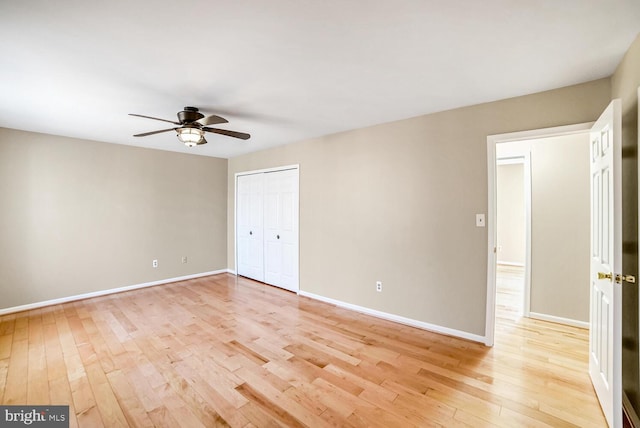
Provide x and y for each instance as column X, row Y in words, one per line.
column 500, row 262
column 105, row 292
column 232, row 272
column 396, row 318
column 559, row 320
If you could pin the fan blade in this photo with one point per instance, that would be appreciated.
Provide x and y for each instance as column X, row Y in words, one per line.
column 154, row 132
column 212, row 120
column 154, row 118
column 203, row 141
column 234, row 134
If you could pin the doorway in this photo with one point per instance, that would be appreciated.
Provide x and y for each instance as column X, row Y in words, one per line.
column 513, row 230
column 552, row 297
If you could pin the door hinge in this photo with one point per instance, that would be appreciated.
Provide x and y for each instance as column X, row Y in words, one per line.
column 626, row 278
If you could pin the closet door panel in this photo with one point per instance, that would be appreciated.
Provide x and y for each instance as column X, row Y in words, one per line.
column 250, row 226
column 289, row 229
column 281, row 229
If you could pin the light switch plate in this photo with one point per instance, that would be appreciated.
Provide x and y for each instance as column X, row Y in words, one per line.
column 480, row 220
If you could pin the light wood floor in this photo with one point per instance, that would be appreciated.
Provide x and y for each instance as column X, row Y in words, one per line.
column 509, row 293
column 226, row 351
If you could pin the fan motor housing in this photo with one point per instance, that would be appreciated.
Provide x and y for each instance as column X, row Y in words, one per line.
column 189, row 114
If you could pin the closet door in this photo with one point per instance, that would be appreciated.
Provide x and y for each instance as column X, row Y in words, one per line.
column 281, row 229
column 249, row 230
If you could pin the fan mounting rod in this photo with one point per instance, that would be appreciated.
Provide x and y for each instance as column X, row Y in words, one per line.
column 189, row 114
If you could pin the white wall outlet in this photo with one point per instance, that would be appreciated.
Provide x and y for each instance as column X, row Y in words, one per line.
column 480, row 220
column 155, row 263
column 379, row 286
column 184, row 259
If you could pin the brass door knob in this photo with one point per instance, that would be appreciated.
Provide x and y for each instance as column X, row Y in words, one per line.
column 608, row 276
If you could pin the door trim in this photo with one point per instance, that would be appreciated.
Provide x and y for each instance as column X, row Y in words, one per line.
column 235, row 209
column 492, row 142
column 630, row 410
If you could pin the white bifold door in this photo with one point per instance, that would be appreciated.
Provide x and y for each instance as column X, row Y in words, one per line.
column 267, row 227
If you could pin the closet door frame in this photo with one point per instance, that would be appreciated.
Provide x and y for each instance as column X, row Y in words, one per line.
column 235, row 211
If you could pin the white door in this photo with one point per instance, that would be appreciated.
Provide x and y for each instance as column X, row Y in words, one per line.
column 605, row 339
column 281, row 229
column 249, row 228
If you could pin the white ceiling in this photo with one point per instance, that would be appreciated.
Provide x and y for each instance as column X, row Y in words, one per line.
column 288, row 70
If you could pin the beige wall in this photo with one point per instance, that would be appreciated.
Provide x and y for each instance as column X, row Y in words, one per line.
column 626, row 80
column 560, row 227
column 79, row 216
column 511, row 218
column 397, row 203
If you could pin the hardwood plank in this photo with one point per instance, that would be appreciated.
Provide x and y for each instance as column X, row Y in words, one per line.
column 58, row 382
column 269, row 407
column 15, row 391
column 4, row 369
column 37, row 379
column 5, row 346
column 131, row 406
column 7, row 324
column 178, row 407
column 162, row 417
column 60, row 394
column 248, row 352
column 107, row 404
column 82, row 396
column 260, row 387
column 258, row 417
column 370, row 389
column 226, row 413
column 337, row 400
column 90, row 417
column 179, row 387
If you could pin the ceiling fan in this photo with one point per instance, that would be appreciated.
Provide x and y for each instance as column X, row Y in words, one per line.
column 192, row 125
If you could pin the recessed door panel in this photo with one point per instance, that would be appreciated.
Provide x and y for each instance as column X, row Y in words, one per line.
column 605, row 226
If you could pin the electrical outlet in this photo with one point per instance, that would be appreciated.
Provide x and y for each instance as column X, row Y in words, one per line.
column 155, row 263
column 184, row 259
column 379, row 286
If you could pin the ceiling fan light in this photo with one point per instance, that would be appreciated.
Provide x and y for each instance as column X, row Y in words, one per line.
column 190, row 136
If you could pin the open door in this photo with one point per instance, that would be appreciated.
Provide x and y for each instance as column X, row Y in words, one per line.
column 605, row 338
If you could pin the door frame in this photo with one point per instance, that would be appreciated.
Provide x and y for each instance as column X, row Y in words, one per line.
column 523, row 158
column 235, row 209
column 492, row 142
column 630, row 410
